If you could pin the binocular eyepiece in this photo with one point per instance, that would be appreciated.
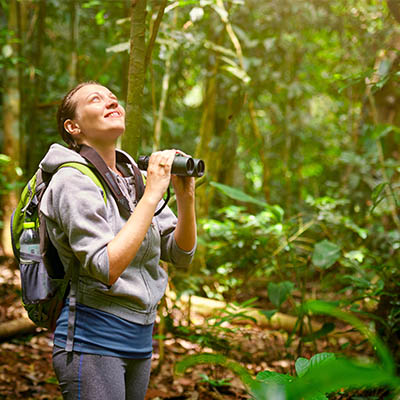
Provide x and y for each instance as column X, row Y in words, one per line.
column 182, row 165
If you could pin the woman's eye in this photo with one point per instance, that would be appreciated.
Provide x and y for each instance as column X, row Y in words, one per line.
column 95, row 98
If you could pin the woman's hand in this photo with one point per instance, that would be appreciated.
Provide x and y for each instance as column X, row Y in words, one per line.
column 159, row 173
column 184, row 186
column 185, row 231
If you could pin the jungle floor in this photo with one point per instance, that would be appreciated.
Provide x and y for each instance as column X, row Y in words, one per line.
column 26, row 372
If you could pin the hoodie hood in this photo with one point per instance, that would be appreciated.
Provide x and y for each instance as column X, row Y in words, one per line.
column 58, row 155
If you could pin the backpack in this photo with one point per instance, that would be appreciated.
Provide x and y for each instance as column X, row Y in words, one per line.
column 44, row 284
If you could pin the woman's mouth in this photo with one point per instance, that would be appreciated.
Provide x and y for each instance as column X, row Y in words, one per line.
column 113, row 114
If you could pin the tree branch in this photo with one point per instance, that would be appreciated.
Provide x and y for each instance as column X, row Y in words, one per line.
column 154, row 32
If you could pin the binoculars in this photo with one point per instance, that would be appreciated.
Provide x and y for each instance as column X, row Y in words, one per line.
column 182, row 165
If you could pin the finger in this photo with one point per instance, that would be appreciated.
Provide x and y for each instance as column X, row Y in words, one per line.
column 166, row 158
column 158, row 159
column 182, row 153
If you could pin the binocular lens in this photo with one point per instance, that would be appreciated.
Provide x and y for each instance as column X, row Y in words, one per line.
column 189, row 166
column 199, row 168
column 182, row 165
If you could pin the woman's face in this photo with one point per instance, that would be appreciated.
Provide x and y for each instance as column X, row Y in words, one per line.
column 99, row 118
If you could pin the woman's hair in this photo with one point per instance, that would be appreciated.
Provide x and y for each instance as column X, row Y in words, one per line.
column 66, row 110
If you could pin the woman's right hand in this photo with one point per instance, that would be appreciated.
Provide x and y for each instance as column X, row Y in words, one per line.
column 159, row 173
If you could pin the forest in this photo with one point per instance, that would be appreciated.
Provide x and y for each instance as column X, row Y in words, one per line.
column 294, row 106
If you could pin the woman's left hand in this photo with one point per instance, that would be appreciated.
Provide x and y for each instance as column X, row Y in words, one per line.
column 184, row 186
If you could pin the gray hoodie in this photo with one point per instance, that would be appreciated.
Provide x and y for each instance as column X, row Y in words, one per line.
column 80, row 225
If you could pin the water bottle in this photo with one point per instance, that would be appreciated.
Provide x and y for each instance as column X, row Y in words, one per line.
column 29, row 243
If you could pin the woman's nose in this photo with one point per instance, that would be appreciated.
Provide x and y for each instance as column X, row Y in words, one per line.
column 112, row 103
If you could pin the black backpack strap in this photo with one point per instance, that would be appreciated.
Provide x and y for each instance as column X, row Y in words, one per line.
column 95, row 159
column 121, row 157
column 139, row 181
column 72, row 309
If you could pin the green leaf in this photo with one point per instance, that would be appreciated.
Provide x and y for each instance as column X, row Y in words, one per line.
column 325, row 254
column 214, row 359
column 321, row 307
column 335, row 374
column 377, row 191
column 382, row 130
column 100, row 17
column 319, row 358
column 274, row 377
column 268, row 313
column 237, row 194
column 328, row 327
column 90, row 4
column 278, row 292
column 4, row 159
column 302, row 365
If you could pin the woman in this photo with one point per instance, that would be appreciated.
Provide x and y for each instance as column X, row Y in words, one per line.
column 114, row 253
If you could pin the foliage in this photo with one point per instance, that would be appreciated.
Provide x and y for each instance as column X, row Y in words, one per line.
column 322, row 374
column 296, row 104
column 5, row 185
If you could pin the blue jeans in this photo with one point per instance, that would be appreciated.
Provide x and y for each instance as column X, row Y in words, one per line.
column 84, row 376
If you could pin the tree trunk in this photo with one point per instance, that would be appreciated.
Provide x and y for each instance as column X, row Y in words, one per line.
column 134, row 102
column 11, row 118
column 36, row 90
column 261, row 151
column 73, row 38
column 163, row 102
column 207, row 131
column 159, row 116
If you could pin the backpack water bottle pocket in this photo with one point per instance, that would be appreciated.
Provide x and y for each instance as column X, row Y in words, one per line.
column 36, row 284
column 43, row 297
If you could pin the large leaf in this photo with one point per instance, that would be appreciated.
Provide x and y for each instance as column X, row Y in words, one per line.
column 325, row 254
column 321, row 307
column 237, row 194
column 278, row 292
column 335, row 374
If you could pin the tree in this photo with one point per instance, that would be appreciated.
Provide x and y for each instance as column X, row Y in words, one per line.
column 134, row 100
column 11, row 118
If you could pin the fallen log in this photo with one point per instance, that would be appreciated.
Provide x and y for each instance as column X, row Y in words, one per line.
column 207, row 307
column 16, row 327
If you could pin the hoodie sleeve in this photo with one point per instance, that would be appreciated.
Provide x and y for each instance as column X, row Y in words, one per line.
column 76, row 217
column 170, row 251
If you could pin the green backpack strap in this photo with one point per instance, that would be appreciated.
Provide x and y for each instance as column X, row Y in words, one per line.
column 88, row 172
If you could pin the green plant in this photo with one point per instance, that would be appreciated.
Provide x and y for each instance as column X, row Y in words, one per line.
column 214, row 382
column 321, row 374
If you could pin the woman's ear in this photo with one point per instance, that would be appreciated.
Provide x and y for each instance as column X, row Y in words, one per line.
column 72, row 127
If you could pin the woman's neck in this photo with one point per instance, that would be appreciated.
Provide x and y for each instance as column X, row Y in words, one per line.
column 107, row 153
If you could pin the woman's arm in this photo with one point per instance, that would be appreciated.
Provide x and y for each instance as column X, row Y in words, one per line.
column 123, row 248
column 186, row 229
